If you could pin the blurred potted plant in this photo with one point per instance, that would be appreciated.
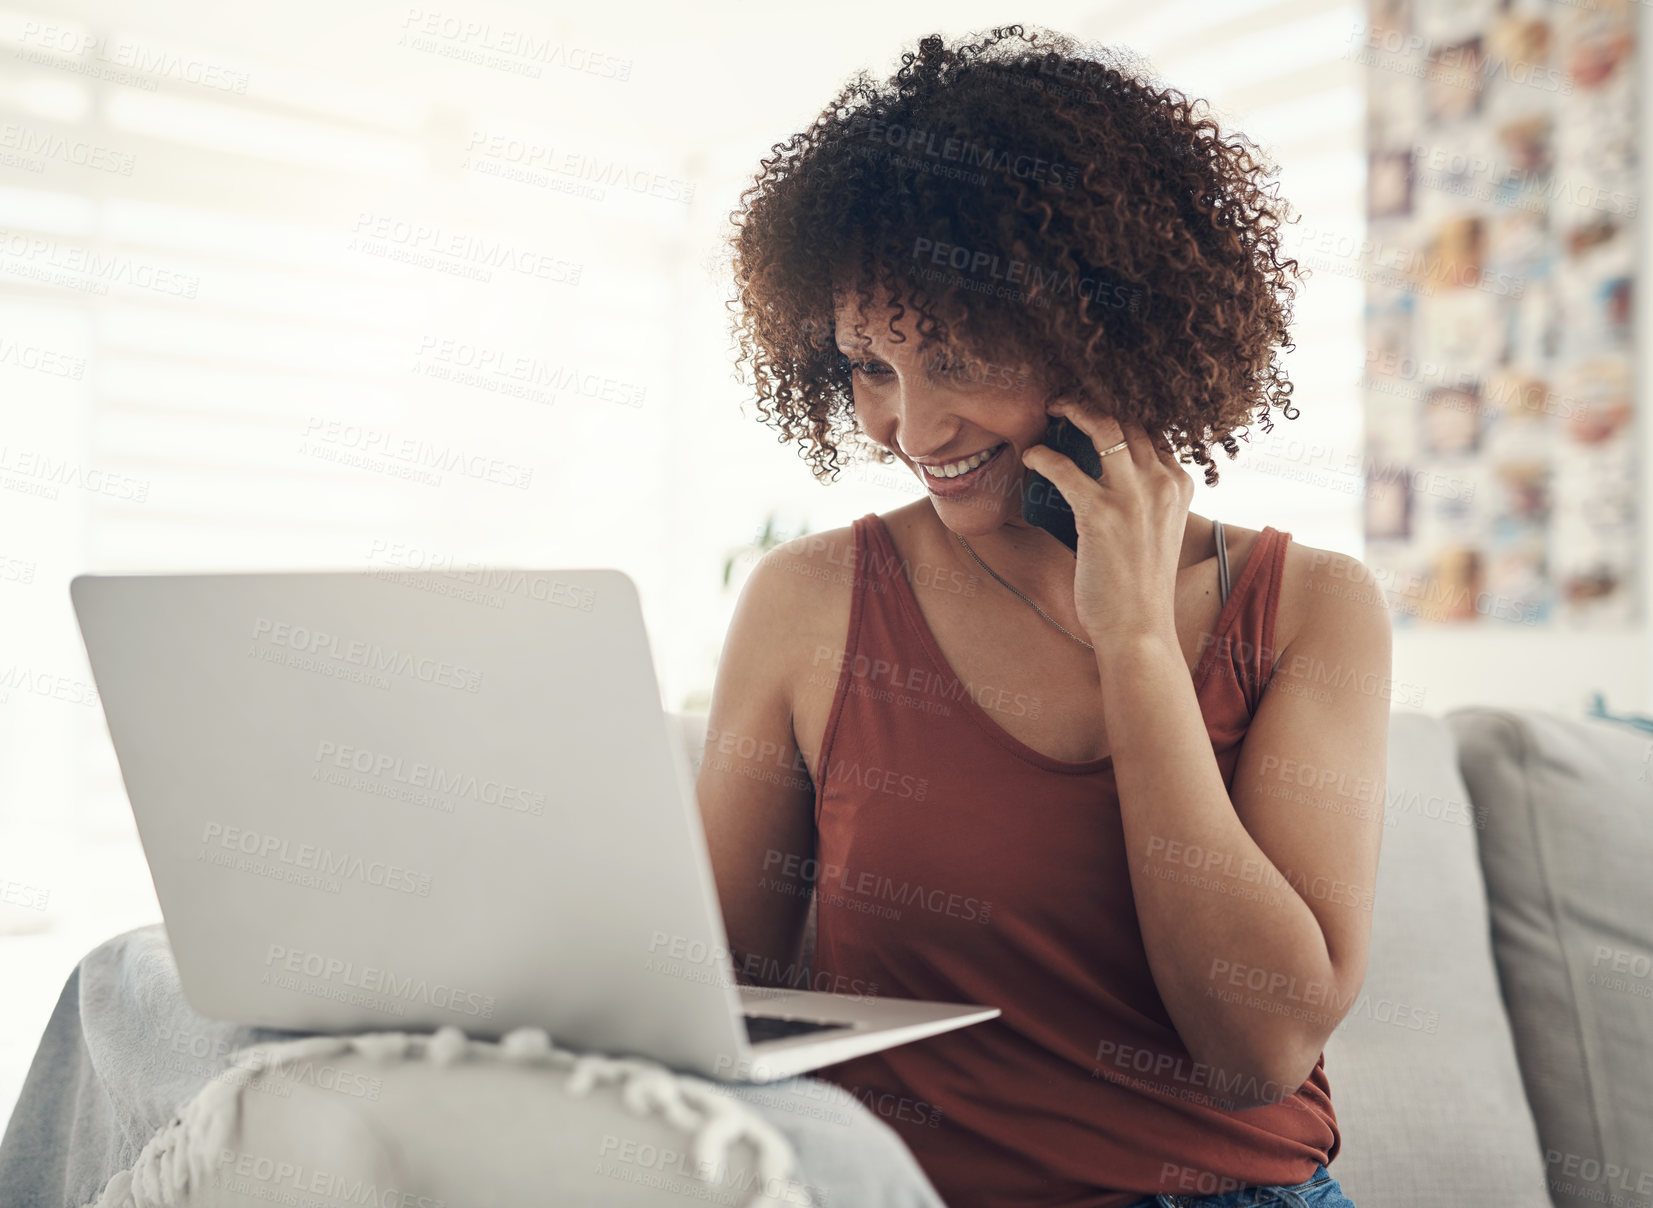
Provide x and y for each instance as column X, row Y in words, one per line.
column 768, row 538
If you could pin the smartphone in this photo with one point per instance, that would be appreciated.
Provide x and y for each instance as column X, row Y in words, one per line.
column 1042, row 503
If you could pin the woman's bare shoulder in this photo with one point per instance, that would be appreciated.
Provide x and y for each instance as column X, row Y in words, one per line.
column 802, row 597
column 811, row 579
column 1304, row 576
column 799, row 593
column 1315, row 581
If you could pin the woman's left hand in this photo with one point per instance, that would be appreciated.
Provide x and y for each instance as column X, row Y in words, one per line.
column 1130, row 523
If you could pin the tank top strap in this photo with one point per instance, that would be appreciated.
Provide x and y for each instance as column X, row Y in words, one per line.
column 873, row 562
column 1222, row 560
column 1268, row 653
column 876, row 559
column 1241, row 648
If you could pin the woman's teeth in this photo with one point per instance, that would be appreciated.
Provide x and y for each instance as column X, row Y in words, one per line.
column 955, row 468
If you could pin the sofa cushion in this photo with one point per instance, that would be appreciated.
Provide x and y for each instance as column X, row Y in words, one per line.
column 1422, row 1069
column 1567, row 852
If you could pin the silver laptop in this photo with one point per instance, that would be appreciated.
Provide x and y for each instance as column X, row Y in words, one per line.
column 381, row 800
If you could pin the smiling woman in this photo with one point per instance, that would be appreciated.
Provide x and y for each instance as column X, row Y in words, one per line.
column 1008, row 232
column 1039, row 204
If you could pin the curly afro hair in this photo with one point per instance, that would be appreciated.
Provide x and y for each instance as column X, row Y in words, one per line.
column 1034, row 203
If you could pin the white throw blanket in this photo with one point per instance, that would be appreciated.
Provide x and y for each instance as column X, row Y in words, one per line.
column 184, row 1155
column 133, row 1101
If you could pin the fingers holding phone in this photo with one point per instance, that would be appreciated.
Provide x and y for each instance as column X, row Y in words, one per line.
column 1051, row 493
column 1126, row 510
column 1043, row 503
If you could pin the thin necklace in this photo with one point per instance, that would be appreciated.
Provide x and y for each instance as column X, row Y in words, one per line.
column 1023, row 598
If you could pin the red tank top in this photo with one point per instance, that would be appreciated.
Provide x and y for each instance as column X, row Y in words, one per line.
column 958, row 864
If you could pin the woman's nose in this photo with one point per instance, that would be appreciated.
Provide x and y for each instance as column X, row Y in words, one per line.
column 923, row 421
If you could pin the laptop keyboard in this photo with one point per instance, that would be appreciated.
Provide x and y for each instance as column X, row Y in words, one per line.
column 760, row 1028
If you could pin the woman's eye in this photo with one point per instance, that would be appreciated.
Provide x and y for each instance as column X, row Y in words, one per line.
column 865, row 368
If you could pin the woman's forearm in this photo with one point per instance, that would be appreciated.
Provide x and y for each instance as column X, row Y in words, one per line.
column 1174, row 806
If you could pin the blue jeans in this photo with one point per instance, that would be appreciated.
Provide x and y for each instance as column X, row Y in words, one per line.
column 1321, row 1190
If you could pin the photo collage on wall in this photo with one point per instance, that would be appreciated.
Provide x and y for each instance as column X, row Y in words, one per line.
column 1502, row 207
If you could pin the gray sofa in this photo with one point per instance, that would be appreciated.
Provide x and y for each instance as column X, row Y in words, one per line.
column 1500, row 1052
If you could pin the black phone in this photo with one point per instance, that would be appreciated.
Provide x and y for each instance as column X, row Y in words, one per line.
column 1042, row 503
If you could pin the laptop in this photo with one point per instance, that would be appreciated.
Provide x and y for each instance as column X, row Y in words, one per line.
column 383, row 800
